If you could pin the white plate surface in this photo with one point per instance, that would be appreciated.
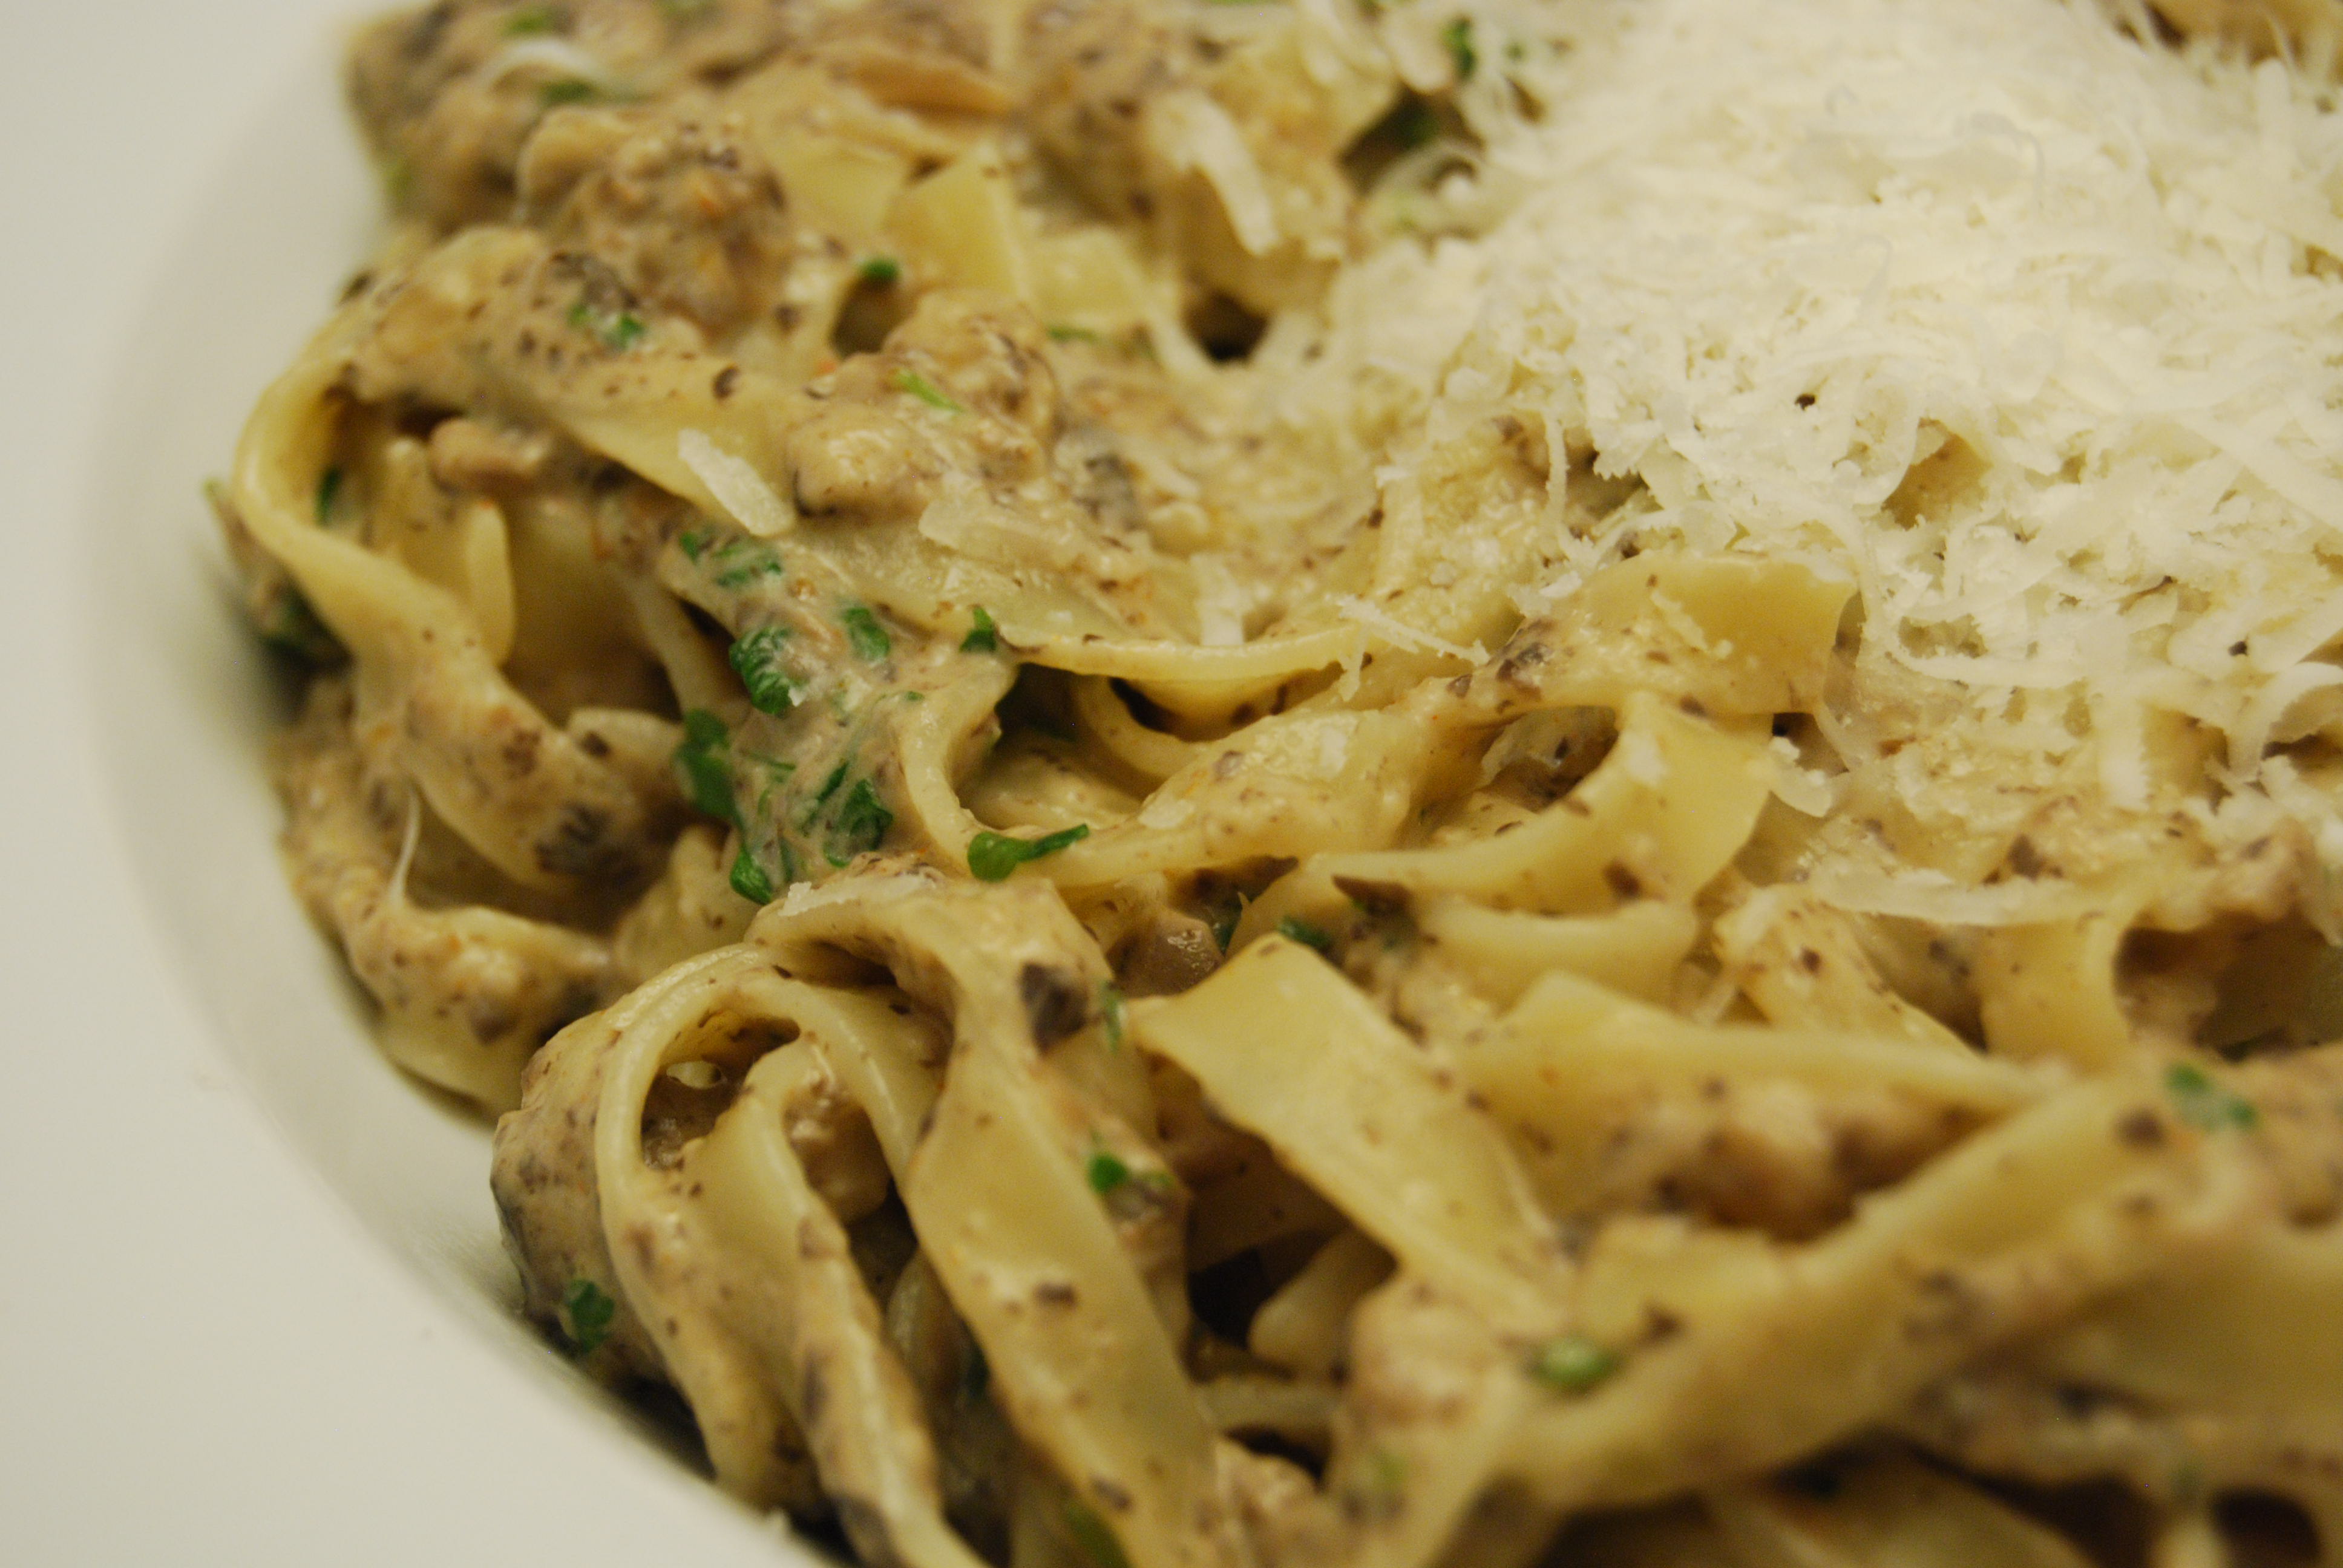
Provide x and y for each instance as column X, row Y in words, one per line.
column 251, row 1306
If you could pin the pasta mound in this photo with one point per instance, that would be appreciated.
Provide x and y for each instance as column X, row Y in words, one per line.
column 1399, row 784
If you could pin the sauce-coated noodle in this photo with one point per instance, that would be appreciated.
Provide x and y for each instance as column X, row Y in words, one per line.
column 1365, row 784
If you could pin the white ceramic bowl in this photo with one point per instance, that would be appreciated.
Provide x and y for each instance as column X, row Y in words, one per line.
column 252, row 1306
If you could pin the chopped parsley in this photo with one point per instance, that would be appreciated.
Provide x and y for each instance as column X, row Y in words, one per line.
column 777, row 772
column 1063, row 332
column 2205, row 1105
column 743, row 561
column 882, row 270
column 588, row 1310
column 861, row 823
column 329, row 485
column 983, row 636
column 993, row 856
column 1109, row 1173
column 829, row 786
column 869, row 639
column 568, row 90
column 705, row 763
column 1106, row 1171
column 1458, row 36
column 1090, row 1533
column 758, row 660
column 694, row 542
column 926, row 391
column 618, row 330
column 748, row 878
column 1573, row 1365
column 1110, row 1010
column 532, row 19
column 1303, row 932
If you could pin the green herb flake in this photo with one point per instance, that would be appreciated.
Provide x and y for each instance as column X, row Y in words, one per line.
column 587, row 1310
column 704, row 763
column 568, row 90
column 743, row 561
column 1092, row 1536
column 329, row 486
column 1308, row 935
column 1458, row 36
column 1573, row 1365
column 2205, row 1104
column 993, row 856
column 975, row 1374
column 861, row 824
column 983, row 636
column 618, row 330
column 1106, row 1171
column 759, row 660
column 926, row 391
column 694, row 542
column 777, row 772
column 830, row 787
column 1064, row 332
column 870, row 639
column 532, row 19
column 1110, row 1009
column 748, row 878
column 882, row 270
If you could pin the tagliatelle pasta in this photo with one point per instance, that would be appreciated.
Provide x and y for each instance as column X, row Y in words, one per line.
column 1376, row 785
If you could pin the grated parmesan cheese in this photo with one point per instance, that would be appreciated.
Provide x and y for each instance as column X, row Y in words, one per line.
column 737, row 486
column 805, row 896
column 1403, row 635
column 2034, row 331
column 1799, row 788
column 1222, row 602
column 1639, row 755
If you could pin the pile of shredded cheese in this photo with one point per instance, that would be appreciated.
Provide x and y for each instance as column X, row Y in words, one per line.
column 2036, row 331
